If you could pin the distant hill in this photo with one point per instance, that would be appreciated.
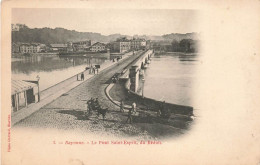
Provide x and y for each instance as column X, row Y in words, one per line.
column 57, row 35
column 179, row 37
column 61, row 35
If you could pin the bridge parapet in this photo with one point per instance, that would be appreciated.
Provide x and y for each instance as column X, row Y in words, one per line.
column 144, row 59
column 133, row 72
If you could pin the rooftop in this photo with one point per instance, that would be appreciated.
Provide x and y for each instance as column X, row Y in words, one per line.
column 59, row 45
column 99, row 43
column 21, row 85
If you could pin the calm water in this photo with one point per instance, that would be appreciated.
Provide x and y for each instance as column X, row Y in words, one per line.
column 51, row 69
column 169, row 77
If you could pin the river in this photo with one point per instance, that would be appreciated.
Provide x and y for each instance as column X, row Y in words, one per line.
column 51, row 69
column 169, row 77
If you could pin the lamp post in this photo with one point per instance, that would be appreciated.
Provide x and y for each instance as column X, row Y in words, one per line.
column 143, row 80
column 38, row 82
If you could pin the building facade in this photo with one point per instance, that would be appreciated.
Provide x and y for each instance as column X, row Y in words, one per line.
column 122, row 45
column 137, row 44
column 29, row 48
column 58, row 47
column 15, row 27
column 81, row 46
column 98, row 47
column 15, row 48
column 70, row 47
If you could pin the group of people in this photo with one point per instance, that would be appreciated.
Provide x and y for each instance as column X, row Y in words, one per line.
column 82, row 76
column 93, row 69
column 93, row 104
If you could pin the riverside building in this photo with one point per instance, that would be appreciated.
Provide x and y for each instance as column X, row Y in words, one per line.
column 29, row 48
column 98, row 47
column 122, row 45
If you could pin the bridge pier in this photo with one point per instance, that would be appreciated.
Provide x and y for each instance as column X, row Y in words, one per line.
column 137, row 69
column 134, row 78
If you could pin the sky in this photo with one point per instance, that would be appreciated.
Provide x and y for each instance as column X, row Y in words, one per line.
column 110, row 21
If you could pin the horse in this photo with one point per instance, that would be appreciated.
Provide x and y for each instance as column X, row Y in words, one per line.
column 102, row 112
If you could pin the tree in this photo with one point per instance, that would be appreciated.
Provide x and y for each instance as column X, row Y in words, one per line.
column 175, row 46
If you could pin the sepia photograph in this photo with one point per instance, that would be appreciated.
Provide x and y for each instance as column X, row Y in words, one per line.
column 125, row 73
column 130, row 82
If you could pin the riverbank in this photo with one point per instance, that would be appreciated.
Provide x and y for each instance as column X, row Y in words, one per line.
column 85, row 54
column 19, row 55
column 67, row 112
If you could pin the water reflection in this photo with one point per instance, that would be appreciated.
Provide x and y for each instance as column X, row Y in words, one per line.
column 170, row 77
column 29, row 65
column 51, row 69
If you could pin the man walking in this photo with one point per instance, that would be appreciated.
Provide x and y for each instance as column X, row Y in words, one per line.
column 134, row 107
column 96, row 103
column 129, row 116
column 82, row 76
column 89, row 103
column 121, row 106
column 90, row 70
column 94, row 70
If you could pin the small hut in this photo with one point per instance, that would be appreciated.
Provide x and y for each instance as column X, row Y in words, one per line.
column 23, row 93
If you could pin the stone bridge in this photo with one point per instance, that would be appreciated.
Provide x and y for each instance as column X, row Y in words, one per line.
column 136, row 69
column 130, row 79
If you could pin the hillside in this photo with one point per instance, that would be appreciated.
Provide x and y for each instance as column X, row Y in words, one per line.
column 61, row 35
column 179, row 37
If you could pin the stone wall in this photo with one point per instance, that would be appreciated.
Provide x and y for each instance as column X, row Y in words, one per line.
column 152, row 104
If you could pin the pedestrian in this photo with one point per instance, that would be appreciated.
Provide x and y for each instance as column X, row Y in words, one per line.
column 129, row 116
column 94, row 70
column 162, row 106
column 96, row 103
column 134, row 107
column 90, row 69
column 159, row 112
column 122, row 106
column 97, row 70
column 92, row 104
column 89, row 103
column 82, row 76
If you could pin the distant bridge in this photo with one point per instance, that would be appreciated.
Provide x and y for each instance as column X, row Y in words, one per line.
column 134, row 70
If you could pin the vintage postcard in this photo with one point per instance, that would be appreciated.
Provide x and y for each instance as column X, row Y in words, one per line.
column 130, row 82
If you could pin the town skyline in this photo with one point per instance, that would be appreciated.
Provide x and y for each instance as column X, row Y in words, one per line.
column 108, row 22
